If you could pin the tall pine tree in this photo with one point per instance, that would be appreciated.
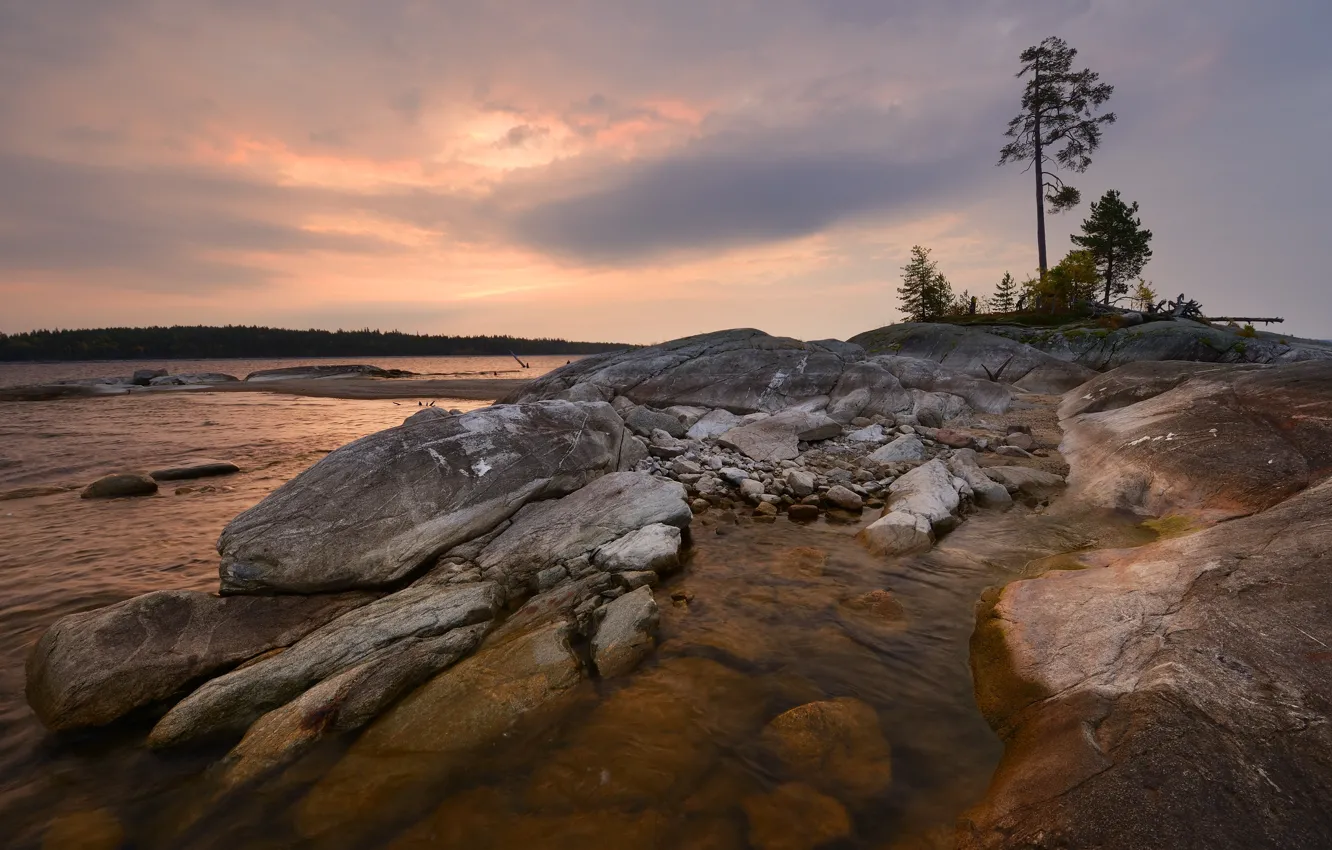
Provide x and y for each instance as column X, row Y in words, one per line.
column 1005, row 295
column 1117, row 241
column 1057, row 112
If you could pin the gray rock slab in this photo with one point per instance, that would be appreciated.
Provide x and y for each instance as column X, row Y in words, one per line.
column 391, row 624
column 653, row 547
column 627, row 633
column 94, row 667
column 375, row 510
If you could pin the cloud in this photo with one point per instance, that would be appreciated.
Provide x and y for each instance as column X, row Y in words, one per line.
column 164, row 229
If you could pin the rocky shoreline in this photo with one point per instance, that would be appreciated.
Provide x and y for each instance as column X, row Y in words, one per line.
column 445, row 582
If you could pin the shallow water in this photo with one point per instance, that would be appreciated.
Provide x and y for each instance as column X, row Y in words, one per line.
column 668, row 757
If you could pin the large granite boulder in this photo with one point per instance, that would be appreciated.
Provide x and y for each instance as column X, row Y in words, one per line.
column 977, row 354
column 375, row 510
column 388, row 626
column 94, row 667
column 1175, row 697
column 1220, row 442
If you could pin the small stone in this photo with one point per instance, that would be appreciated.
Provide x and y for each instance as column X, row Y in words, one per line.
column 680, row 466
column 844, row 498
column 861, row 422
column 732, row 476
column 766, row 509
column 803, row 513
column 751, row 489
column 549, row 577
column 954, row 439
column 699, row 506
column 1012, row 451
column 636, row 580
column 1020, row 440
column 800, row 482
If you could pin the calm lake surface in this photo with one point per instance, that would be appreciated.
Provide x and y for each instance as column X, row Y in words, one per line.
column 766, row 629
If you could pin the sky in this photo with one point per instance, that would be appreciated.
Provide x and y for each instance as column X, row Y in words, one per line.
column 630, row 170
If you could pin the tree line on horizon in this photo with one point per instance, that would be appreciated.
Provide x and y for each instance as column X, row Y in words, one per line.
column 202, row 342
column 1058, row 115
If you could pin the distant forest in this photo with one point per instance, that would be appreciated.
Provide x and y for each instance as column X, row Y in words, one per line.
column 208, row 343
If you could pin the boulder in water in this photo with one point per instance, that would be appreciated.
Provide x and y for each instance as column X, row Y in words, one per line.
column 835, row 745
column 142, row 377
column 198, row 470
column 119, row 485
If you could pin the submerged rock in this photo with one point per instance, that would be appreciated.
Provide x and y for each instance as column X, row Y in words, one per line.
column 119, row 485
column 343, row 703
column 835, row 745
column 375, row 510
column 94, row 667
column 507, row 688
column 795, row 817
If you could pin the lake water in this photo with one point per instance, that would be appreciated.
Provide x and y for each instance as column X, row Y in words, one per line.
column 23, row 374
column 768, row 628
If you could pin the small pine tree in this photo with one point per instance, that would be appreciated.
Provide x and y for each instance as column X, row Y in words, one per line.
column 925, row 293
column 1117, row 240
column 1144, row 295
column 1005, row 295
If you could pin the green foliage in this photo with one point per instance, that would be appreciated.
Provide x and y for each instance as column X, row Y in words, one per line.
column 1074, row 279
column 1005, row 295
column 925, row 293
column 1117, row 240
column 1144, row 295
column 207, row 343
column 1249, row 331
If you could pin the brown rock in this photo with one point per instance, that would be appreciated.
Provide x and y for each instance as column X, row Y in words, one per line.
column 955, row 439
column 120, row 484
column 795, row 817
column 93, row 829
column 834, row 745
column 803, row 513
column 1020, row 441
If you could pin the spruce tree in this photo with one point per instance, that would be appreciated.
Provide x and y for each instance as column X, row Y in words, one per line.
column 1057, row 107
column 1005, row 295
column 1118, row 242
column 925, row 293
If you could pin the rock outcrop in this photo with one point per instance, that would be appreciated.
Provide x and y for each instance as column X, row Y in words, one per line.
column 1212, row 443
column 978, row 354
column 315, row 372
column 1184, row 681
column 374, row 511
column 747, row 371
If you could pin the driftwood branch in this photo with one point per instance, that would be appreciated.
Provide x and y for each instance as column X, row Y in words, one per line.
column 1248, row 319
column 994, row 376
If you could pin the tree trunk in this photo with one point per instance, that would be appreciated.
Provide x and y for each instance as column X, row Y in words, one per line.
column 1109, row 276
column 1040, row 175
